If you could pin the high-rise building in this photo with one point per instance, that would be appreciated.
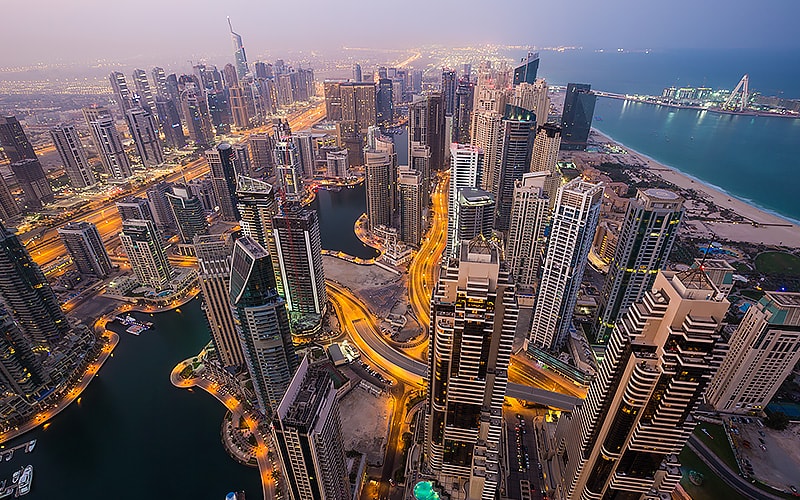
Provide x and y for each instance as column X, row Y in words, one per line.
column 527, row 69
column 576, row 119
column 761, row 353
column 426, row 126
column 262, row 154
column 33, row 182
column 357, row 75
column 195, row 112
column 187, row 210
column 143, row 92
column 533, row 97
column 239, row 111
column 299, row 252
column 21, row 372
column 109, row 147
column 145, row 252
column 474, row 213
column 289, row 167
column 8, row 205
column 513, row 160
column 85, row 246
column 263, row 70
column 160, row 207
column 545, row 148
column 27, row 294
column 170, row 123
column 220, row 109
column 645, row 241
column 73, row 156
column 307, row 431
column 257, row 206
column 144, row 132
column 160, row 85
column 449, row 90
column 623, row 441
column 575, row 217
column 306, row 154
column 239, row 54
column 333, row 99
column 379, row 184
column 487, row 132
column 719, row 271
column 122, row 94
column 262, row 323
column 384, row 107
column 132, row 207
column 419, row 159
column 462, row 111
column 224, row 168
column 526, row 235
column 473, row 318
column 409, row 200
column 465, row 172
column 14, row 141
column 358, row 104
column 337, row 164
column 214, row 274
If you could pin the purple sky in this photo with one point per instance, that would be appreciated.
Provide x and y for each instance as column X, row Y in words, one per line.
column 85, row 30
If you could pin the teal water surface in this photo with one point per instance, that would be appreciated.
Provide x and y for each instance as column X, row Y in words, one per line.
column 756, row 159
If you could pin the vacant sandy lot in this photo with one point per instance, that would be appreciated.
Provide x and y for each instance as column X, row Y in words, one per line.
column 365, row 420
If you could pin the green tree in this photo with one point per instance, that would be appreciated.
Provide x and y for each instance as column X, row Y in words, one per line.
column 777, row 420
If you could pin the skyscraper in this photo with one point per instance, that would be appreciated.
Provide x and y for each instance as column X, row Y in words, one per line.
column 187, row 211
column 109, row 147
column 474, row 213
column 238, row 103
column 307, row 431
column 449, row 90
column 337, row 164
column 526, row 234
column 419, row 159
column 28, row 296
column 514, row 158
column 160, row 85
column 575, row 217
column 257, row 206
column 761, row 353
column 426, row 126
column 143, row 92
column 527, row 69
column 195, row 112
column 465, row 172
column 409, row 200
column 15, row 143
column 33, row 182
column 21, row 372
column 161, row 213
column 545, row 148
column 473, row 318
column 299, row 252
column 8, row 205
column 132, row 207
column 143, row 130
column 145, row 252
column 533, row 97
column 262, row 323
column 262, row 153
column 384, row 102
column 462, row 111
column 85, row 246
column 223, row 163
column 358, row 104
column 73, row 156
column 214, row 273
column 122, row 94
column 379, row 184
column 239, row 54
column 290, row 178
column 170, row 123
column 576, row 119
column 357, row 76
column 487, row 132
column 623, row 440
column 645, row 241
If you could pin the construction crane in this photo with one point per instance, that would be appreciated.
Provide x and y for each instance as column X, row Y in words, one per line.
column 743, row 85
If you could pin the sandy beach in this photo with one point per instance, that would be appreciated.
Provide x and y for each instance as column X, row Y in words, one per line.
column 757, row 226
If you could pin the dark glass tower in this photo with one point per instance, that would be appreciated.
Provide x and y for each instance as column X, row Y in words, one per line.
column 14, row 141
column 526, row 71
column 576, row 120
column 449, row 90
column 223, row 163
column 28, row 295
column 20, row 369
column 516, row 145
column 384, row 104
column 262, row 323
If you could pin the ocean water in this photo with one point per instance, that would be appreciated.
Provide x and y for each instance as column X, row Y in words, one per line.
column 756, row 159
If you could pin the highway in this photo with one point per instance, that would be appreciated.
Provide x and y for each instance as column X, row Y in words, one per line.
column 49, row 248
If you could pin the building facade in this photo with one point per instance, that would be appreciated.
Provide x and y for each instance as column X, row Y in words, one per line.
column 73, row 156
column 85, row 246
column 143, row 246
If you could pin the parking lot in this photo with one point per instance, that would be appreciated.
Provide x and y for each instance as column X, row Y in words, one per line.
column 772, row 457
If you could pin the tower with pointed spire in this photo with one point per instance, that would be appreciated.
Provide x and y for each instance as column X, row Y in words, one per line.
column 238, row 52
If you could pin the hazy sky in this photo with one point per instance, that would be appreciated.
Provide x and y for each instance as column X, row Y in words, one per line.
column 84, row 30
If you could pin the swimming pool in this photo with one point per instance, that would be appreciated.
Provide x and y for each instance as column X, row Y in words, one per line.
column 424, row 491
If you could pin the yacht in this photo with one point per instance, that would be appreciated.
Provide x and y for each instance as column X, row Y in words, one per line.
column 25, row 481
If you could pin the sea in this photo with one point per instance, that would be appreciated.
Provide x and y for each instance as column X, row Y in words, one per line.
column 756, row 159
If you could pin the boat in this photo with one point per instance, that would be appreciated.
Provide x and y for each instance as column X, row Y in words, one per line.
column 31, row 446
column 15, row 477
column 10, row 455
column 25, row 481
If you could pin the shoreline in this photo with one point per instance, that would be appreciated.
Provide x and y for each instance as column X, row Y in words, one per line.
column 766, row 226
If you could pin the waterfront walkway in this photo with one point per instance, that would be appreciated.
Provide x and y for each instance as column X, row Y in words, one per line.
column 238, row 411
